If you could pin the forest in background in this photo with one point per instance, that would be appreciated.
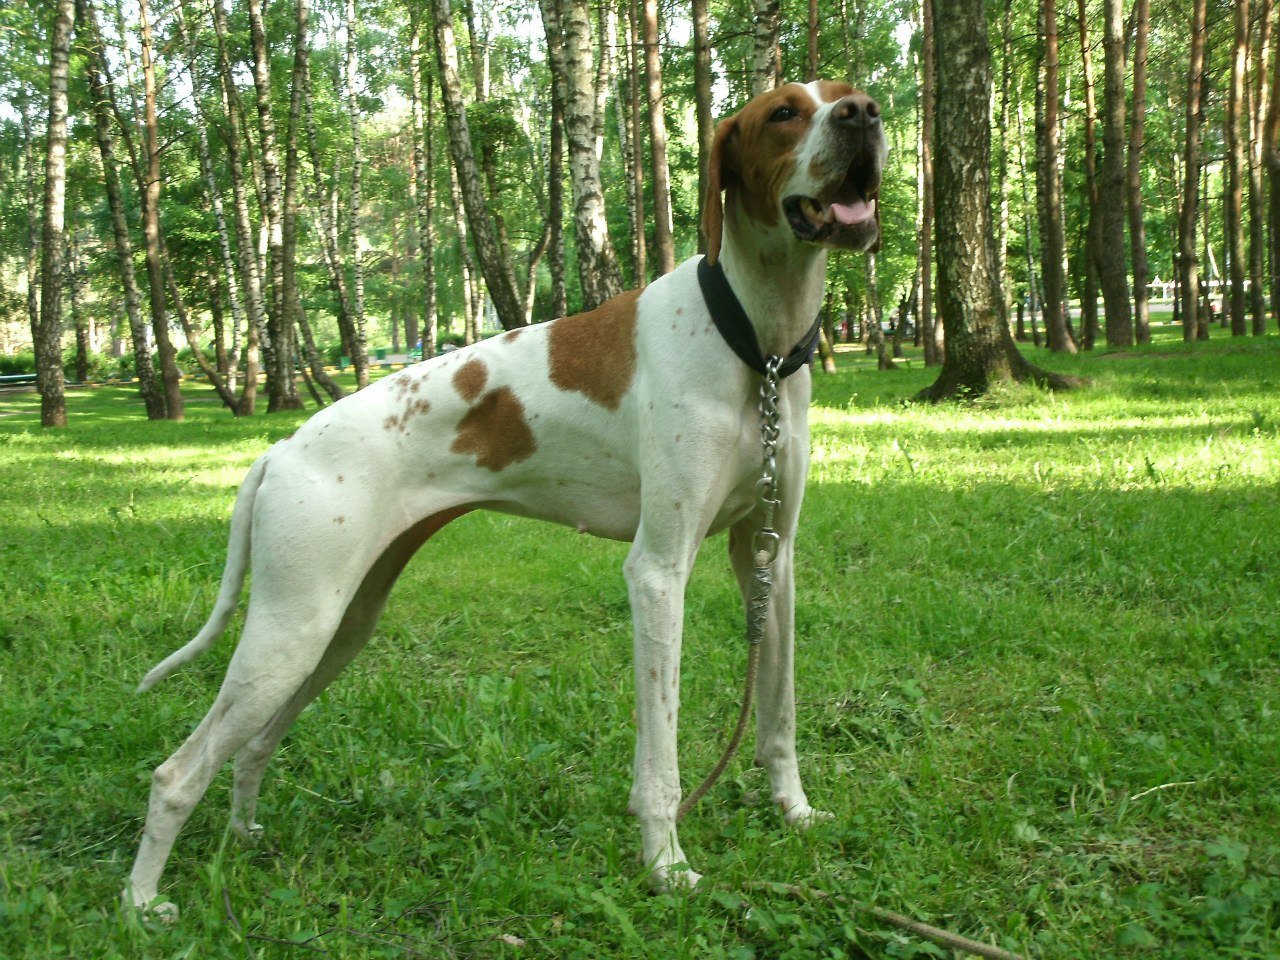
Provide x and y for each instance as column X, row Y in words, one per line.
column 298, row 181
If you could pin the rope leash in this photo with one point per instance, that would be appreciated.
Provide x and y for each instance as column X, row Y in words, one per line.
column 764, row 548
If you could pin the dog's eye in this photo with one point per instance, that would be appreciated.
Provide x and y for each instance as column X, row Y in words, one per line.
column 783, row 114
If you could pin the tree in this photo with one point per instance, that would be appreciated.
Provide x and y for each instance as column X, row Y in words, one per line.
column 928, row 112
column 291, row 300
column 282, row 390
column 663, row 241
column 568, row 27
column 1233, row 201
column 497, row 271
column 766, row 63
column 1052, row 234
column 702, row 97
column 1111, row 246
column 152, row 239
column 99, row 95
column 1188, row 274
column 1258, row 92
column 47, row 334
column 1133, row 172
column 423, row 190
column 351, row 75
column 980, row 351
column 1089, row 292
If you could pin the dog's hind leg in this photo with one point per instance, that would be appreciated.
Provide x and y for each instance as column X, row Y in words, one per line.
column 248, row 700
column 353, row 633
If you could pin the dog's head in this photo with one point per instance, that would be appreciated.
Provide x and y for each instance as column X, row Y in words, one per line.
column 809, row 155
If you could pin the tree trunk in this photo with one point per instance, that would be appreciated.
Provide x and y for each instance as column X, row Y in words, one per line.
column 1233, row 201
column 1271, row 156
column 34, row 212
column 930, row 328
column 466, row 262
column 702, row 99
column 497, row 272
column 291, row 301
column 639, row 253
column 764, row 57
column 1257, row 193
column 663, row 240
column 359, row 341
column 424, row 193
column 47, row 334
column 79, row 321
column 1033, row 289
column 1133, row 173
column 151, row 229
column 597, row 261
column 251, row 279
column 980, row 350
column 1052, row 231
column 1188, row 274
column 1111, row 248
column 1002, row 163
column 326, row 218
column 1089, row 295
column 282, row 390
column 95, row 68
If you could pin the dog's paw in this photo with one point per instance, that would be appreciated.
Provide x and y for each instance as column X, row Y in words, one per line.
column 250, row 834
column 801, row 815
column 164, row 911
column 669, row 879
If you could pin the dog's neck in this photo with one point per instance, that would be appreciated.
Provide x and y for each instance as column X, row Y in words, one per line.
column 778, row 279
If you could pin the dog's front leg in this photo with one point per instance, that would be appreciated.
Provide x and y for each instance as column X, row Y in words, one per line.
column 656, row 579
column 775, row 681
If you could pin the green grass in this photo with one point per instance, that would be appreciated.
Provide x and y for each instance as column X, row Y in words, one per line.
column 1016, row 618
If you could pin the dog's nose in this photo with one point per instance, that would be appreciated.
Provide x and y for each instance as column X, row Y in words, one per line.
column 857, row 110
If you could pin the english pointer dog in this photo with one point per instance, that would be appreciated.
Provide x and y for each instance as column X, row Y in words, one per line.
column 636, row 421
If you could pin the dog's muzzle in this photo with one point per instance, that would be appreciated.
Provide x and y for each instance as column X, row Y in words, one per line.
column 846, row 214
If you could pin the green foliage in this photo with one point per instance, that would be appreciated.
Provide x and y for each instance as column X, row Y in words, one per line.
column 1037, row 673
column 24, row 361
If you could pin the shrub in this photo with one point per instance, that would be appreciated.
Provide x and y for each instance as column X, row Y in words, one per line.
column 24, row 361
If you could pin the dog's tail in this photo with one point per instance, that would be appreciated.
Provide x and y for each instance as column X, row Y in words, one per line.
column 232, row 582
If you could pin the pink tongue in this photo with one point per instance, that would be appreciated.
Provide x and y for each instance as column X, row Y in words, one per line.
column 852, row 214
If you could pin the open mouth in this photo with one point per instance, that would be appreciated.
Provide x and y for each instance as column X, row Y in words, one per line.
column 849, row 208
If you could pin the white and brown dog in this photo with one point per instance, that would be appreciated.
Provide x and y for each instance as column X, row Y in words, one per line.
column 635, row 421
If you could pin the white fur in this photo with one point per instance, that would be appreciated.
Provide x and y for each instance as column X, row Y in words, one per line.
column 675, row 462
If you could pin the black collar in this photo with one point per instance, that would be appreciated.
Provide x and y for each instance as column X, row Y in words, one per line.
column 731, row 320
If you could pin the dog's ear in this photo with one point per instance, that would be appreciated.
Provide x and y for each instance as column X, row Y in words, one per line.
column 713, row 202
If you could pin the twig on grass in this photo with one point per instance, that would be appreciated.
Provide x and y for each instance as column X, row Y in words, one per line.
column 1167, row 786
column 944, row 938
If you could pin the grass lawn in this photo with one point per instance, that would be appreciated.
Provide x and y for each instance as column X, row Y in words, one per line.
column 1038, row 672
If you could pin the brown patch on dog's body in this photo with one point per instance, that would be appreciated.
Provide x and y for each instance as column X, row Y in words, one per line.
column 495, row 430
column 470, row 378
column 595, row 353
column 411, row 409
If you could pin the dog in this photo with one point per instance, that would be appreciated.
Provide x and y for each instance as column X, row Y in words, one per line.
column 635, row 421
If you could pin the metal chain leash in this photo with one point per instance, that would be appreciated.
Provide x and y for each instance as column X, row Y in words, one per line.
column 768, row 496
column 764, row 550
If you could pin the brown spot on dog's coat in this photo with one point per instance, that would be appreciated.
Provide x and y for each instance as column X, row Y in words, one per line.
column 496, row 431
column 470, row 378
column 595, row 353
column 412, row 409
